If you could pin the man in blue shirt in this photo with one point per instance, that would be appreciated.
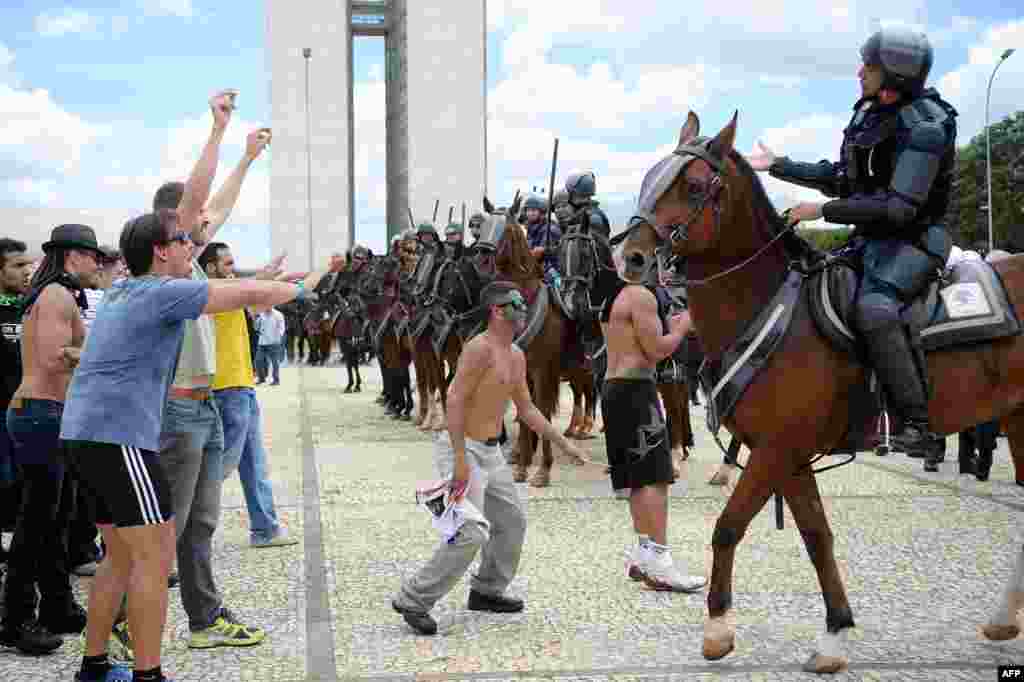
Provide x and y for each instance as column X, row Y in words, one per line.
column 112, row 423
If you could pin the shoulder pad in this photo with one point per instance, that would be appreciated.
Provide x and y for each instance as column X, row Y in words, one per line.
column 928, row 136
column 922, row 109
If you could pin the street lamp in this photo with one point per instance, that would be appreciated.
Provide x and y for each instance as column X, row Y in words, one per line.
column 307, row 53
column 988, row 145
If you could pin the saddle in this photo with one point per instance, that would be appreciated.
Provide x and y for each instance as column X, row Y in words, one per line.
column 966, row 304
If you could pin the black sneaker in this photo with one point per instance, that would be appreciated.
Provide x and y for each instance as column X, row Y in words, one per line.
column 497, row 603
column 31, row 638
column 419, row 621
column 68, row 621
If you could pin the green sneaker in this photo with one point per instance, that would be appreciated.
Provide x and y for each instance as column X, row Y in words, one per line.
column 119, row 644
column 226, row 631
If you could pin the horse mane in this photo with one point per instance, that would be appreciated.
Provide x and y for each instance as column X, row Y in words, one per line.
column 514, row 253
column 764, row 209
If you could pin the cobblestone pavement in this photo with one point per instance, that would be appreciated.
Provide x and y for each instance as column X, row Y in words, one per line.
column 923, row 557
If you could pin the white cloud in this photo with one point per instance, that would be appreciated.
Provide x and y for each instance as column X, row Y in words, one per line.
column 58, row 23
column 36, row 132
column 177, row 8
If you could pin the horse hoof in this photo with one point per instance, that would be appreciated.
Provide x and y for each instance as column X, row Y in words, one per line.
column 541, row 479
column 824, row 665
column 715, row 649
column 1000, row 633
column 519, row 474
column 348, row 389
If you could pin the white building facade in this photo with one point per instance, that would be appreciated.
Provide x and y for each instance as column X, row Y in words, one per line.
column 436, row 85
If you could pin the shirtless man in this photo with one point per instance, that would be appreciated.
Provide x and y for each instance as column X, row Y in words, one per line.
column 635, row 434
column 51, row 342
column 491, row 371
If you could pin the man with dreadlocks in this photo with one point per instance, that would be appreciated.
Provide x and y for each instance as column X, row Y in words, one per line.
column 52, row 338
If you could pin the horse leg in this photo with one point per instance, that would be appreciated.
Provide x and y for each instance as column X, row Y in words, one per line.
column 359, row 378
column 728, row 467
column 575, row 422
column 590, row 396
column 1003, row 624
column 804, row 500
column 348, row 368
column 440, row 416
column 673, row 423
column 752, row 491
column 545, row 403
column 1014, row 427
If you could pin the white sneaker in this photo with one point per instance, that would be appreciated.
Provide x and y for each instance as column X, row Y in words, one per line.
column 661, row 574
column 634, row 557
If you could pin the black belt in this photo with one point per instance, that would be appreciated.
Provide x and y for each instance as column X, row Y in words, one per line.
column 491, row 442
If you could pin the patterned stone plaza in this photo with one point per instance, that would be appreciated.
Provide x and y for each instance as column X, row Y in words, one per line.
column 923, row 555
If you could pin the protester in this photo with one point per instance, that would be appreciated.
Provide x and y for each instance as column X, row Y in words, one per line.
column 233, row 388
column 113, row 422
column 52, row 337
column 14, row 284
column 270, row 327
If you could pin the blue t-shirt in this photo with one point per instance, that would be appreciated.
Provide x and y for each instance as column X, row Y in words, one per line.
column 118, row 391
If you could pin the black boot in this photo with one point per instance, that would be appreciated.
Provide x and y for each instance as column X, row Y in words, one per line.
column 893, row 359
column 983, row 465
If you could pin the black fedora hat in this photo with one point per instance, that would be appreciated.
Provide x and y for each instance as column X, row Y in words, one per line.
column 73, row 237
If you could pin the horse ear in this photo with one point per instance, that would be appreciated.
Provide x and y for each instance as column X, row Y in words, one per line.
column 513, row 210
column 722, row 145
column 488, row 206
column 690, row 130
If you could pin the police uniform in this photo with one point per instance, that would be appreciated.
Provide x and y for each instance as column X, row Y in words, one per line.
column 893, row 183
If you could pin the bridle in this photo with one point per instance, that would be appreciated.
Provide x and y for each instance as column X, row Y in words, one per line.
column 571, row 280
column 712, row 192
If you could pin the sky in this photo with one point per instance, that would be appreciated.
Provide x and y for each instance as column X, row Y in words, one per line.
column 101, row 102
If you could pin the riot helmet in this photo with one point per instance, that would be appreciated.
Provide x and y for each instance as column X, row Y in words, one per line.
column 905, row 57
column 476, row 221
column 564, row 211
column 453, row 232
column 581, row 186
column 426, row 234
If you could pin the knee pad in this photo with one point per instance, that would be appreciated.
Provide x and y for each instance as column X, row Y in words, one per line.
column 877, row 311
column 724, row 536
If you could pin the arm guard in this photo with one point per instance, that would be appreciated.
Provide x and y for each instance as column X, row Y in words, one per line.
column 823, row 176
column 896, row 209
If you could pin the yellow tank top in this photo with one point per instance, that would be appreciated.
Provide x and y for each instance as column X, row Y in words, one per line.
column 234, row 361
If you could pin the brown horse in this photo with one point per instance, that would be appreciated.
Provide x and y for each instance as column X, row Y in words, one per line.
column 798, row 404
column 548, row 355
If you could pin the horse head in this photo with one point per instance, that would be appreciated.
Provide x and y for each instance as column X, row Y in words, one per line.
column 703, row 203
column 585, row 260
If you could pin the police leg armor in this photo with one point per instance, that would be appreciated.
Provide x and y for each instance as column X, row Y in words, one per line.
column 895, row 272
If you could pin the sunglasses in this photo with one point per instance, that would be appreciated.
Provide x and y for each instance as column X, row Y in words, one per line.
column 179, row 237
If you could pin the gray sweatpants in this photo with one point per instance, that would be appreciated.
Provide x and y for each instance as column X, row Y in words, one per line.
column 492, row 491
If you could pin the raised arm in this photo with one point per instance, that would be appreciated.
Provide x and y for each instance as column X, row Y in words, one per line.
column 228, row 295
column 220, row 207
column 197, row 188
column 655, row 346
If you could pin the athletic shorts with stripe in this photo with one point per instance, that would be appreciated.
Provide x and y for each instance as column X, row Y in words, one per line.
column 128, row 484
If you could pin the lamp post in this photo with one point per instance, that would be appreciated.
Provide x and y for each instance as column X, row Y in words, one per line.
column 307, row 54
column 988, row 146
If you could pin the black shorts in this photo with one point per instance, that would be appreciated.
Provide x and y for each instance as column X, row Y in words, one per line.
column 635, row 434
column 127, row 484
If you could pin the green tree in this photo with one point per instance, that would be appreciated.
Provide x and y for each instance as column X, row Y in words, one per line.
column 967, row 218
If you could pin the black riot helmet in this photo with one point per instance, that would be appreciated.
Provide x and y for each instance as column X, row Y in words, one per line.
column 905, row 57
column 581, row 187
column 535, row 201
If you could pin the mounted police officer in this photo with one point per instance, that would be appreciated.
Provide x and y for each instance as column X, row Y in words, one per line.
column 431, row 254
column 893, row 182
column 476, row 222
column 543, row 238
column 453, row 247
column 565, row 213
column 581, row 188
